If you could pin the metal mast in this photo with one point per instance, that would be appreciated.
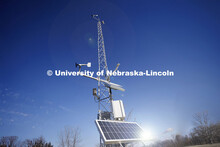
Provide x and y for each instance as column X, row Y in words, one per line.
column 104, row 93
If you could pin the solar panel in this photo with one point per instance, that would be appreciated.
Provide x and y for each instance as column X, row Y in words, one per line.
column 118, row 131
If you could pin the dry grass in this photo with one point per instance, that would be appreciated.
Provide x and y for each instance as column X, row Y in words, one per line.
column 207, row 145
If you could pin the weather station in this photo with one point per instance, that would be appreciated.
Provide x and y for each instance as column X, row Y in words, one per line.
column 113, row 129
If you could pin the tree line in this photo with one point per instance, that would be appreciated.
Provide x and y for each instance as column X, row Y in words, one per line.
column 204, row 132
column 13, row 141
column 69, row 137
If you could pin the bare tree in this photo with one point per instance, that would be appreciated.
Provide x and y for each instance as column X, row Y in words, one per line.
column 3, row 141
column 201, row 119
column 129, row 115
column 36, row 142
column 9, row 141
column 12, row 141
column 202, row 133
column 69, row 137
column 27, row 143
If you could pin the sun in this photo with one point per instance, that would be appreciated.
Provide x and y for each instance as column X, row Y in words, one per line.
column 147, row 135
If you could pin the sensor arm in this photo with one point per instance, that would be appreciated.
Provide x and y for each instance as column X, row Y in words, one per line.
column 107, row 83
column 80, row 65
column 96, row 17
column 117, row 67
column 108, row 79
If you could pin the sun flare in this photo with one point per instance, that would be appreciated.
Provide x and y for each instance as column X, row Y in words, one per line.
column 147, row 135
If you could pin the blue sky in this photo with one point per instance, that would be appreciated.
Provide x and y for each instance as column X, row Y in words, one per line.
column 182, row 36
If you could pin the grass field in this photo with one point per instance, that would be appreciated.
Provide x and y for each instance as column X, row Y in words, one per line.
column 207, row 145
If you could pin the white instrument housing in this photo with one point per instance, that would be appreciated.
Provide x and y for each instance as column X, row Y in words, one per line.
column 118, row 110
